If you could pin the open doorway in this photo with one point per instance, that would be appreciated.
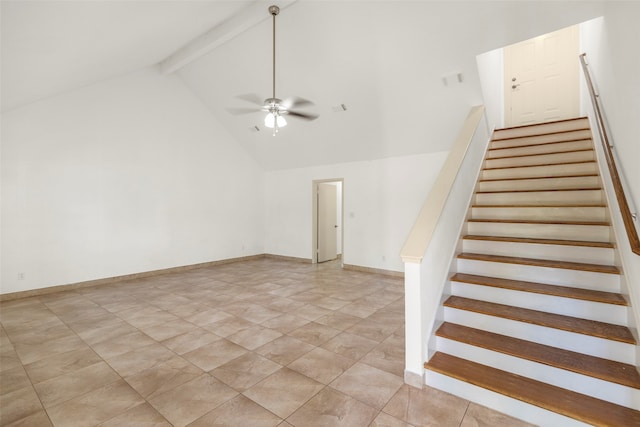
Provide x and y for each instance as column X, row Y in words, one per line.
column 327, row 222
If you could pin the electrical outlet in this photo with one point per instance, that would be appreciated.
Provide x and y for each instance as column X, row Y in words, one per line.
column 20, row 276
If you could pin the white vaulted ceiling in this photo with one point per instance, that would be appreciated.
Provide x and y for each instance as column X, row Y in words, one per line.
column 49, row 47
column 383, row 59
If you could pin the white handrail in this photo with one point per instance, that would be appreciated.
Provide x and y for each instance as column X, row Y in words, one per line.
column 422, row 230
column 431, row 244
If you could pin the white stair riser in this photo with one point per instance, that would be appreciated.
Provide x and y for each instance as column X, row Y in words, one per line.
column 540, row 184
column 542, row 198
column 541, row 159
column 547, row 275
column 560, row 147
column 593, row 346
column 609, row 313
column 585, row 254
column 583, row 233
column 512, row 407
column 547, row 213
column 543, row 128
column 541, row 139
column 586, row 168
column 600, row 389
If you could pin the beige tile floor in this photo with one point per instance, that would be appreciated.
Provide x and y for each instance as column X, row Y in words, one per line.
column 257, row 343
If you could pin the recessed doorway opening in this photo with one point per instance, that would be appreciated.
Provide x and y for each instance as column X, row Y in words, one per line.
column 327, row 220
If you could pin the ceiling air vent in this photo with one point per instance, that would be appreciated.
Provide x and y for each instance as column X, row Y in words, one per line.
column 452, row 78
column 339, row 108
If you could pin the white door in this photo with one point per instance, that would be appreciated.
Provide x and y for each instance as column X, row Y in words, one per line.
column 541, row 78
column 327, row 222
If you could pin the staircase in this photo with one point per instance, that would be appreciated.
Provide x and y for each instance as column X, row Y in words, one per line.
column 536, row 324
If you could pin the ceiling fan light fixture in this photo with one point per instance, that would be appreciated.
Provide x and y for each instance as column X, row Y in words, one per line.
column 275, row 107
column 274, row 121
column 270, row 120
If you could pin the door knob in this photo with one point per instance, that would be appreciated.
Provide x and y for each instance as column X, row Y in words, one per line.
column 514, row 86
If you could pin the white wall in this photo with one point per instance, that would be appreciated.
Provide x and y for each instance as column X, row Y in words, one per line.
column 125, row 176
column 591, row 42
column 381, row 201
column 611, row 44
column 491, row 73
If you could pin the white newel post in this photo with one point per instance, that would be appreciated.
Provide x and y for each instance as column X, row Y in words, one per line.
column 414, row 355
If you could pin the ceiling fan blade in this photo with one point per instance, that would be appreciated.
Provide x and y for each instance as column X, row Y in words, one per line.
column 294, row 102
column 252, row 98
column 238, row 111
column 305, row 116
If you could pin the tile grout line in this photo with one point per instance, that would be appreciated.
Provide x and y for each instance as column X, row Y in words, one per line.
column 324, row 283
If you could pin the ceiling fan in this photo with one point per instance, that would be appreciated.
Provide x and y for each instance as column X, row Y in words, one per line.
column 275, row 108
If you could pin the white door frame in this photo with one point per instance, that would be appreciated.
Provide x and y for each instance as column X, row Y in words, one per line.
column 314, row 218
column 570, row 72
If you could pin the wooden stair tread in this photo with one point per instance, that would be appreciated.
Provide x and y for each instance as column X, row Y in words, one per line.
column 596, row 367
column 557, row 321
column 536, row 144
column 606, row 245
column 541, row 288
column 597, row 268
column 545, row 136
column 534, row 154
column 584, row 205
column 538, row 165
column 553, row 190
column 571, row 404
column 539, row 177
column 530, row 221
column 531, row 125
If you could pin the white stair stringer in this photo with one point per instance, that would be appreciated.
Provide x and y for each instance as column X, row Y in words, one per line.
column 558, row 147
column 557, row 183
column 561, row 126
column 542, row 139
column 541, row 159
column 572, row 341
column 580, row 383
column 592, row 310
column 537, row 230
column 548, row 251
column 551, row 276
column 534, row 213
column 542, row 171
column 507, row 405
column 542, row 198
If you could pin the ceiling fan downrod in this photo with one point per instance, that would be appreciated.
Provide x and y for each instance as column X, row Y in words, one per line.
column 274, row 10
column 275, row 108
column 274, row 102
